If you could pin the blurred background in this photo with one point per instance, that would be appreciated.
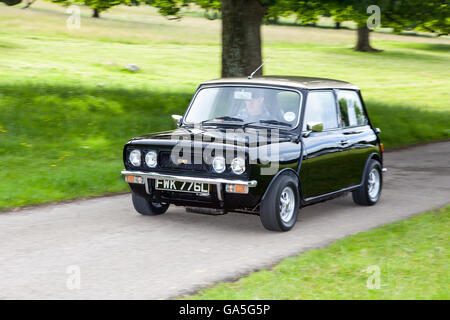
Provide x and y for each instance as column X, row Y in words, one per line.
column 76, row 82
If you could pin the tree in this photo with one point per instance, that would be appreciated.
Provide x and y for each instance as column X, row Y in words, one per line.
column 430, row 16
column 241, row 37
column 357, row 11
column 345, row 10
column 242, row 19
column 241, row 30
column 97, row 6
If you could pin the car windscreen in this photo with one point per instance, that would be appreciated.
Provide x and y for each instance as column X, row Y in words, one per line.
column 244, row 105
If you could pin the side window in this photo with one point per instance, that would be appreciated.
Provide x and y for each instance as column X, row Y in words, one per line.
column 350, row 108
column 321, row 107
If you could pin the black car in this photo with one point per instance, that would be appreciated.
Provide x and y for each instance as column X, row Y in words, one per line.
column 265, row 145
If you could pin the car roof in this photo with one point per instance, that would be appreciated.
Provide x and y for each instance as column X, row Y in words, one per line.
column 287, row 81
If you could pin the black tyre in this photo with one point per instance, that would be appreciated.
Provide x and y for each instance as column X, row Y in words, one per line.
column 279, row 208
column 148, row 208
column 370, row 190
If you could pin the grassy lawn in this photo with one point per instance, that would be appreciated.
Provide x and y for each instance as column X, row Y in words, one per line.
column 410, row 254
column 67, row 104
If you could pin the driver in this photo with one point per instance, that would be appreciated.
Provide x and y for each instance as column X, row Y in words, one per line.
column 254, row 108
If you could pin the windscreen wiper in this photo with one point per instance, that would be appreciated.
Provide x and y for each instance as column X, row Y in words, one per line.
column 226, row 118
column 276, row 122
column 281, row 123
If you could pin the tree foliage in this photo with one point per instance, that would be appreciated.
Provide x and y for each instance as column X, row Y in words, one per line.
column 11, row 2
column 173, row 7
column 430, row 15
column 97, row 5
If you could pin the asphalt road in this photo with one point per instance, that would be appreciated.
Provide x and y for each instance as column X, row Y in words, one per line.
column 101, row 248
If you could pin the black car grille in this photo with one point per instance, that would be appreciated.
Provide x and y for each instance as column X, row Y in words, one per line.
column 167, row 163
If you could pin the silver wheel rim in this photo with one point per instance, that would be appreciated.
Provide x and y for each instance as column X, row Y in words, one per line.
column 373, row 184
column 287, row 204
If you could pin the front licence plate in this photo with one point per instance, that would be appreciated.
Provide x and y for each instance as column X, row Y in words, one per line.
column 181, row 186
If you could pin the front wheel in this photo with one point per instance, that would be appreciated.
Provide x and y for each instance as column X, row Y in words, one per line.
column 369, row 192
column 279, row 208
column 148, row 208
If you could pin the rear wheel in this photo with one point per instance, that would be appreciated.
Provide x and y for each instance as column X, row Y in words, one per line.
column 148, row 208
column 279, row 208
column 369, row 192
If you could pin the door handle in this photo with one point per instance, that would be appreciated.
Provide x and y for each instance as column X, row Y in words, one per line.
column 344, row 142
column 352, row 132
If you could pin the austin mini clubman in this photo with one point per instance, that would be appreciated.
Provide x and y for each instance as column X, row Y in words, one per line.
column 263, row 145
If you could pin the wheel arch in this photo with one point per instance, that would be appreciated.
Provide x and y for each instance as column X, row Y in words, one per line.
column 288, row 171
column 372, row 156
column 375, row 156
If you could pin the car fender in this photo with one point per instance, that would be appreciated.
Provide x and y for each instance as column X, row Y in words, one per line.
column 283, row 171
column 374, row 156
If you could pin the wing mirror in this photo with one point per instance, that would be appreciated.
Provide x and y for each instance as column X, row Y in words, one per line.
column 313, row 127
column 178, row 119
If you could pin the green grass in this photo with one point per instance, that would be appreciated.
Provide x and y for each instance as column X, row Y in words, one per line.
column 402, row 126
column 66, row 142
column 412, row 256
column 67, row 105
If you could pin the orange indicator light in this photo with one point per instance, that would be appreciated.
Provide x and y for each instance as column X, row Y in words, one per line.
column 134, row 179
column 241, row 188
column 236, row 188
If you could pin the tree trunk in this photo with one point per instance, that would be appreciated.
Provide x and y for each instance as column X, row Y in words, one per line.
column 96, row 13
column 363, row 43
column 241, row 37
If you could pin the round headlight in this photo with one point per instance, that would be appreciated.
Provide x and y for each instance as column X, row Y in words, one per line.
column 238, row 165
column 219, row 164
column 151, row 159
column 135, row 158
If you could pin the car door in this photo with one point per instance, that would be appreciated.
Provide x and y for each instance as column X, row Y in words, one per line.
column 321, row 170
column 358, row 138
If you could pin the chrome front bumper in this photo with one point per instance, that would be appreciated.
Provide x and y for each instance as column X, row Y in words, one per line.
column 216, row 181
